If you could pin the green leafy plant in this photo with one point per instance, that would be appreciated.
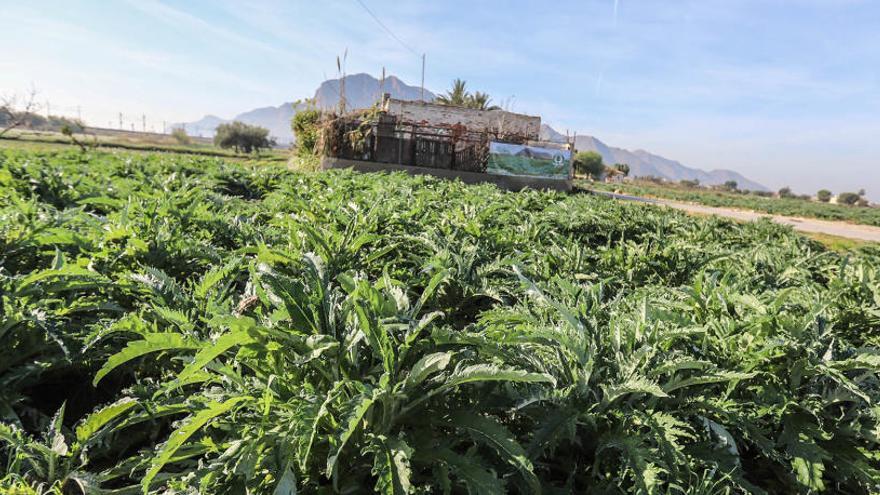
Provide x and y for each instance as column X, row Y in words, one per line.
column 181, row 324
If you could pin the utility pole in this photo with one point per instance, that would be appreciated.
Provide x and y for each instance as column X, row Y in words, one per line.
column 423, row 77
column 163, row 127
column 79, row 115
column 120, row 121
column 48, row 112
column 144, row 122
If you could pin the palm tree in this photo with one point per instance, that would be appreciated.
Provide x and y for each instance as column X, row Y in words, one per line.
column 460, row 97
column 457, row 96
column 481, row 101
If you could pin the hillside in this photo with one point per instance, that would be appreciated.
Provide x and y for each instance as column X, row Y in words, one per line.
column 643, row 163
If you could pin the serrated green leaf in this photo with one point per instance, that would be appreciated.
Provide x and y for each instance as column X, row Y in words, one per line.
column 176, row 440
column 152, row 342
column 426, row 366
column 100, row 418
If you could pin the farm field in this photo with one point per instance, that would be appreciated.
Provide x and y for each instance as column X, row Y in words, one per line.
column 48, row 141
column 778, row 206
column 187, row 324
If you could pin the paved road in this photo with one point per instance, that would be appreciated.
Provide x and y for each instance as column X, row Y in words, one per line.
column 811, row 225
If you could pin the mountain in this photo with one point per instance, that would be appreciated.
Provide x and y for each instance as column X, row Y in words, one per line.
column 361, row 91
column 643, row 163
column 203, row 127
column 276, row 119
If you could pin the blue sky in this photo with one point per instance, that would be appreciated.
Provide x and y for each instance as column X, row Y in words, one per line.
column 786, row 92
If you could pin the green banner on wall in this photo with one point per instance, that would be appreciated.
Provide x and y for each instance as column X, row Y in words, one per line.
column 529, row 161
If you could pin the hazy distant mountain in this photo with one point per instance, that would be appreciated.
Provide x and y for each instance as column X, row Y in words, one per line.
column 203, row 127
column 361, row 91
column 276, row 119
column 643, row 163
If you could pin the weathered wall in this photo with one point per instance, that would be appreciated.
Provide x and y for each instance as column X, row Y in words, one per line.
column 495, row 121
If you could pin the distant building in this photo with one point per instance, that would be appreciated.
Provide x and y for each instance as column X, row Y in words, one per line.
column 450, row 141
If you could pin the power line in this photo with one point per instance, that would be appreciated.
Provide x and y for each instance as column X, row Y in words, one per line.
column 387, row 30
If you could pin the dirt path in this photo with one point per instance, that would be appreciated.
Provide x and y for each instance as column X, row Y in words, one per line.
column 811, row 225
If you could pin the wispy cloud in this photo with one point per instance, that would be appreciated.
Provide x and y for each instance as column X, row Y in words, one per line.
column 192, row 23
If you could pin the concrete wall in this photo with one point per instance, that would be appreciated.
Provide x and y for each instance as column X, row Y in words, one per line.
column 495, row 121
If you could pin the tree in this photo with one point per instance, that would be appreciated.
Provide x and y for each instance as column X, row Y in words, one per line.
column 305, row 126
column 10, row 116
column 848, row 198
column 785, row 192
column 589, row 163
column 481, row 101
column 731, row 185
column 824, row 195
column 622, row 168
column 242, row 137
column 460, row 97
column 180, row 135
column 70, row 129
column 457, row 96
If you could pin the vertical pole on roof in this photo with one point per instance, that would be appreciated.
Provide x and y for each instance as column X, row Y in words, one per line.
column 423, row 77
column 382, row 86
column 340, row 66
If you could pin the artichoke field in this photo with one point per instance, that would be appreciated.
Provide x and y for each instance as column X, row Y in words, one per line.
column 181, row 325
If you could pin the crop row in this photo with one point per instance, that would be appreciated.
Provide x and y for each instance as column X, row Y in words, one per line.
column 778, row 206
column 176, row 324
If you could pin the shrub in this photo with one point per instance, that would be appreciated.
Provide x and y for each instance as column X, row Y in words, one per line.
column 306, row 128
column 848, row 198
column 824, row 195
column 180, row 135
column 622, row 168
column 785, row 192
column 589, row 163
